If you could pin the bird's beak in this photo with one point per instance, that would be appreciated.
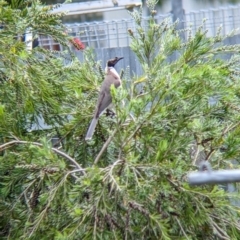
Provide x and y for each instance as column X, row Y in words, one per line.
column 120, row 58
column 116, row 60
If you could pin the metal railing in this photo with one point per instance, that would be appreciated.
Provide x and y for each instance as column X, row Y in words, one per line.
column 105, row 34
column 226, row 17
column 102, row 34
column 110, row 34
column 49, row 43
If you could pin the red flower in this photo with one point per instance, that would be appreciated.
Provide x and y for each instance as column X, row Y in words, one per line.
column 77, row 43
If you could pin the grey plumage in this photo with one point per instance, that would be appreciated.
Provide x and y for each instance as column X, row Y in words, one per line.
column 105, row 98
column 91, row 128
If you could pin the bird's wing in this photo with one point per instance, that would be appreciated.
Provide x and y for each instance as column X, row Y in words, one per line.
column 105, row 98
column 103, row 102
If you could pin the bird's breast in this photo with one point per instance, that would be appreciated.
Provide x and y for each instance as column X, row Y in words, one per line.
column 112, row 71
column 117, row 82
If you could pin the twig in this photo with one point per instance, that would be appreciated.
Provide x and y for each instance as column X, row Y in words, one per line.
column 23, row 194
column 104, row 147
column 43, row 213
column 195, row 155
column 132, row 135
column 228, row 129
column 127, row 224
column 218, row 231
column 8, row 144
column 72, row 173
column 210, row 154
column 109, row 175
column 180, row 225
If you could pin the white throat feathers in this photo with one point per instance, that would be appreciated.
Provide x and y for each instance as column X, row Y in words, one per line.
column 113, row 70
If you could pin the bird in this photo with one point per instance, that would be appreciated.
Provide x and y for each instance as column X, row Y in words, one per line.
column 104, row 98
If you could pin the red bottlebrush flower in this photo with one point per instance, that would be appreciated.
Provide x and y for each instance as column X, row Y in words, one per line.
column 77, row 43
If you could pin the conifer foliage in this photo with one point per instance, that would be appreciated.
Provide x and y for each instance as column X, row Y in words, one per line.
column 130, row 181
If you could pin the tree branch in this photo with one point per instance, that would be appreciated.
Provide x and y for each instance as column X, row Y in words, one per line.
column 180, row 225
column 104, row 147
column 14, row 142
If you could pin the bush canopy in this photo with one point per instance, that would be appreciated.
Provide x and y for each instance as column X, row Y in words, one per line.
column 130, row 180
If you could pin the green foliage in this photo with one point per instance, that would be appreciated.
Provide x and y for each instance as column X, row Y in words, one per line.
column 130, row 181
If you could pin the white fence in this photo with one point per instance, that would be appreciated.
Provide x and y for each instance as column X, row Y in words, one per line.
column 227, row 17
column 110, row 34
column 102, row 34
column 105, row 34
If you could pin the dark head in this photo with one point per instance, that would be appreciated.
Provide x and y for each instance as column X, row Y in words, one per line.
column 112, row 62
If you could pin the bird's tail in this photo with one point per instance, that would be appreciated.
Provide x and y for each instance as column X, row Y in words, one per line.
column 91, row 129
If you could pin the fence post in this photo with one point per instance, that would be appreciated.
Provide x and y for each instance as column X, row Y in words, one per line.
column 178, row 14
column 29, row 39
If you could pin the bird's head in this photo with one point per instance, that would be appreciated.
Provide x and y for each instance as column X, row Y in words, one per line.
column 112, row 62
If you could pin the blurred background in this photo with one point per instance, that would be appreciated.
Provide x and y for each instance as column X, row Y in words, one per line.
column 105, row 23
column 106, row 13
